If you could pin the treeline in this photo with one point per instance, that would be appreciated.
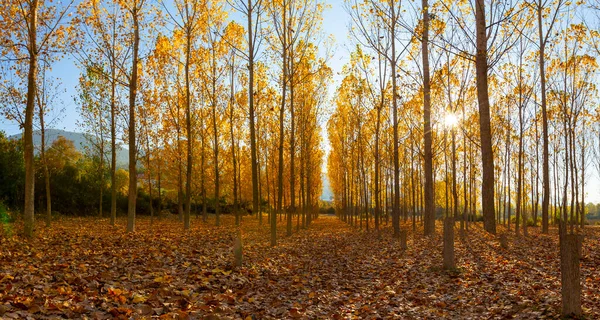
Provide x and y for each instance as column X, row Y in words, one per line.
column 214, row 100
column 481, row 108
column 77, row 186
column 430, row 116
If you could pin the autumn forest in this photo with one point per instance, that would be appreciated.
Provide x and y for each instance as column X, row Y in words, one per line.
column 458, row 143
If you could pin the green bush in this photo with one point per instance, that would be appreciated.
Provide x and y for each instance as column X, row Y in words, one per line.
column 5, row 220
column 5, row 217
column 12, row 172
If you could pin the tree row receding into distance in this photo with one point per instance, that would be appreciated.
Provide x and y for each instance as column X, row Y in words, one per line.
column 480, row 110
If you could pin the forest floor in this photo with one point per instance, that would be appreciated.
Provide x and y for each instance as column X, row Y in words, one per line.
column 84, row 268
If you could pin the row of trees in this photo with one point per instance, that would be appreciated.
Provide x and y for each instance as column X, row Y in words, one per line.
column 418, row 156
column 202, row 101
column 493, row 109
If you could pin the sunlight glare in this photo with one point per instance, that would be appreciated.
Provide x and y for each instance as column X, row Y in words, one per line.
column 451, row 120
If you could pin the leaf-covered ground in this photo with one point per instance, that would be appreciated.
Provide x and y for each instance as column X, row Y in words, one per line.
column 83, row 268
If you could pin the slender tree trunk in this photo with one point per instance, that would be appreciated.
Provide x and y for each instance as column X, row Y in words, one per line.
column 365, row 188
column 537, row 172
column 520, row 154
column 113, row 134
column 233, row 157
column 508, row 150
column 446, row 207
column 28, row 134
column 44, row 162
column 280, row 153
column 158, row 187
column 302, row 181
column 464, row 215
column 487, row 155
column 216, row 139
column 396, row 204
column 149, row 176
column 132, row 144
column 253, row 153
column 545, row 141
column 179, row 171
column 582, row 210
column 101, row 178
column 113, row 130
column 307, row 216
column 519, row 173
column 377, row 179
column 429, row 218
column 454, row 183
column 292, row 146
column 556, row 188
column 284, row 79
column 188, row 126
column 47, row 173
column 203, row 176
column 566, row 168
column 472, row 208
column 270, row 204
column 413, row 186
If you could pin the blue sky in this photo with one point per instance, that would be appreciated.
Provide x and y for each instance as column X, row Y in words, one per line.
column 335, row 22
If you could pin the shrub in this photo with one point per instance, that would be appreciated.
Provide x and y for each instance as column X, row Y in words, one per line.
column 5, row 220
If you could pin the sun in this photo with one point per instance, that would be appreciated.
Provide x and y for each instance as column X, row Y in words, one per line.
column 450, row 120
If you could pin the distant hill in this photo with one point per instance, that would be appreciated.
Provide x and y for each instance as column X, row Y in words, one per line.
column 80, row 140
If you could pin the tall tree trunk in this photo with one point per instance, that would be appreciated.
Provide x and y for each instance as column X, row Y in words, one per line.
column 520, row 154
column 582, row 210
column 188, row 127
column 284, row 55
column 203, row 176
column 28, row 134
column 519, row 174
column 216, row 141
column 302, row 182
column 253, row 153
column 446, row 207
column 487, row 155
column 149, row 176
column 132, row 144
column 377, row 182
column 292, row 145
column 545, row 165
column 365, row 188
column 113, row 133
column 233, row 157
column 508, row 151
column 43, row 160
column 537, row 171
column 393, row 64
column 413, row 186
column 307, row 216
column 429, row 218
column 159, row 191
column 101, row 169
column 179, row 171
column 454, row 183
